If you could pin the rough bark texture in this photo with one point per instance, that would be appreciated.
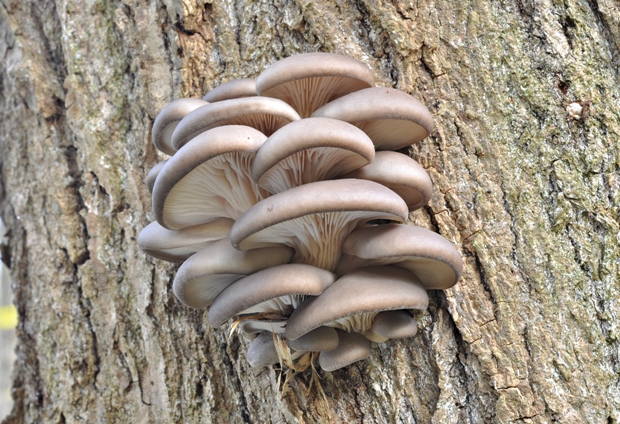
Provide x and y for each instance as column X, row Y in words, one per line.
column 527, row 192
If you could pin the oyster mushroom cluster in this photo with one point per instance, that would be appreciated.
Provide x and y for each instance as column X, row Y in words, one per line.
column 286, row 203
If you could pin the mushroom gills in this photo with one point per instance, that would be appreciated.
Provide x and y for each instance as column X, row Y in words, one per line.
column 282, row 305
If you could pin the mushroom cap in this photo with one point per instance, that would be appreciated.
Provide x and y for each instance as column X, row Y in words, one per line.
column 308, row 81
column 262, row 351
column 253, row 293
column 392, row 118
column 209, row 178
column 364, row 291
column 432, row 258
column 206, row 273
column 310, row 150
column 178, row 245
column 254, row 325
column 318, row 340
column 314, row 218
column 167, row 120
column 262, row 113
column 243, row 87
column 352, row 347
column 152, row 175
column 399, row 173
column 392, row 325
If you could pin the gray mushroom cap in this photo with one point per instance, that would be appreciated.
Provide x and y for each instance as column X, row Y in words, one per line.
column 352, row 347
column 243, row 87
column 392, row 119
column 274, row 290
column 310, row 150
column 392, row 325
column 262, row 113
column 314, row 218
column 400, row 173
column 178, row 245
column 318, row 340
column 208, row 179
column 262, row 351
column 208, row 272
column 167, row 121
column 152, row 175
column 364, row 291
column 308, row 81
column 432, row 258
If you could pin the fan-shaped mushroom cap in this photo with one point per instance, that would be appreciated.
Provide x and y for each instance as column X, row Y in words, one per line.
column 318, row 340
column 167, row 120
column 351, row 348
column 262, row 113
column 310, row 150
column 244, row 87
column 391, row 118
column 432, row 258
column 399, row 173
column 262, row 351
column 274, row 291
column 353, row 301
column 315, row 218
column 209, row 178
column 205, row 274
column 392, row 325
column 308, row 81
column 152, row 175
column 178, row 245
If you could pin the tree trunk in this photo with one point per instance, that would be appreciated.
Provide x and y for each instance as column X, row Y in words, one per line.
column 525, row 164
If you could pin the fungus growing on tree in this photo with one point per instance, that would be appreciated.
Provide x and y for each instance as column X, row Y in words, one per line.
column 167, row 121
column 244, row 87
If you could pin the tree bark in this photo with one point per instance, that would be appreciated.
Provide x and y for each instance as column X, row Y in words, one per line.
column 525, row 186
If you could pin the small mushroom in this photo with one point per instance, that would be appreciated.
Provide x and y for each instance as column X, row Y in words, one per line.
column 432, row 258
column 310, row 150
column 353, row 301
column 209, row 178
column 352, row 347
column 399, row 173
column 315, row 218
column 262, row 351
column 152, row 175
column 262, row 113
column 167, row 121
column 308, row 81
column 178, row 245
column 244, row 87
column 318, row 340
column 208, row 272
column 392, row 325
column 392, row 119
column 272, row 294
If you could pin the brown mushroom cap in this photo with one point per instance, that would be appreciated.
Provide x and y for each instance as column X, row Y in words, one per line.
column 244, row 87
column 314, row 218
column 208, row 272
column 351, row 348
column 178, row 245
column 318, row 340
column 432, row 258
column 392, row 325
column 274, row 291
column 352, row 302
column 309, row 150
column 399, row 173
column 262, row 113
column 308, row 81
column 152, row 175
column 209, row 178
column 392, row 119
column 167, row 120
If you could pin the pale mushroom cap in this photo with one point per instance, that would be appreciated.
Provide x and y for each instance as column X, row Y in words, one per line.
column 399, row 173
column 351, row 348
column 209, row 178
column 262, row 113
column 432, row 258
column 152, row 175
column 244, row 87
column 367, row 290
column 392, row 119
column 308, row 81
column 178, row 245
column 318, row 340
column 392, row 325
column 262, row 351
column 167, row 120
column 315, row 218
column 268, row 284
column 310, row 150
column 208, row 272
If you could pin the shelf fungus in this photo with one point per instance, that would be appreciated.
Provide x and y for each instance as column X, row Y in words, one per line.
column 286, row 203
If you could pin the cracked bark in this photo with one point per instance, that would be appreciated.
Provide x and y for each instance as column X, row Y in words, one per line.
column 528, row 194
